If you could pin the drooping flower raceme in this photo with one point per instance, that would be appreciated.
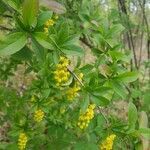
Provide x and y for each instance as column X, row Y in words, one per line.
column 107, row 144
column 61, row 74
column 48, row 23
column 38, row 115
column 85, row 118
column 22, row 141
column 72, row 92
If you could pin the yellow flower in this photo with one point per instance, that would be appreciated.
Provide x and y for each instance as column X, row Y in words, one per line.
column 48, row 23
column 46, row 30
column 33, row 99
column 80, row 76
column 22, row 141
column 72, row 92
column 85, row 118
column 38, row 115
column 107, row 144
column 61, row 74
column 64, row 61
column 56, row 17
column 62, row 110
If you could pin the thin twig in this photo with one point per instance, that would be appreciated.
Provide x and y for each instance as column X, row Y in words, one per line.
column 6, row 16
column 56, row 45
column 84, row 40
column 5, row 28
column 75, row 76
column 129, row 34
column 107, row 121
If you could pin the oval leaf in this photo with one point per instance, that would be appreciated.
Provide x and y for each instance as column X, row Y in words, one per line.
column 128, row 77
column 132, row 116
column 30, row 11
column 13, row 43
column 43, row 40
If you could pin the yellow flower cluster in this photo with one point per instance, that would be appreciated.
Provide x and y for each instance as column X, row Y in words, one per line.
column 38, row 115
column 72, row 91
column 107, row 144
column 48, row 23
column 61, row 75
column 22, row 141
column 85, row 118
column 33, row 99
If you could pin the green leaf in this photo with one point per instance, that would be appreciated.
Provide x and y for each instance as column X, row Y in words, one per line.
column 119, row 89
column 12, row 4
column 12, row 146
column 135, row 93
column 24, row 54
column 55, row 57
column 43, row 17
column 3, row 7
column 115, row 30
column 127, row 77
column 73, row 50
column 30, row 11
column 132, row 116
column 3, row 145
column 87, row 68
column 85, row 103
column 63, row 34
column 116, row 55
column 99, row 100
column 145, row 132
column 100, row 90
column 143, row 125
column 89, row 146
column 13, row 43
column 43, row 40
column 38, row 49
column 146, row 97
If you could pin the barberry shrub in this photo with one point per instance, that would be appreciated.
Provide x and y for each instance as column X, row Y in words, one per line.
column 66, row 104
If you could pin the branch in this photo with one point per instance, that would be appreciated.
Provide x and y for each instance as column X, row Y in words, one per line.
column 84, row 40
column 6, row 16
column 129, row 34
column 75, row 76
column 5, row 28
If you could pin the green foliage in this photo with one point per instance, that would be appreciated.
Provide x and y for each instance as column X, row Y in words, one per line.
column 13, row 43
column 41, row 109
column 29, row 12
column 132, row 116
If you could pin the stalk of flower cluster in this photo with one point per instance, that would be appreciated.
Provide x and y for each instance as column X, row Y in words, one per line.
column 73, row 91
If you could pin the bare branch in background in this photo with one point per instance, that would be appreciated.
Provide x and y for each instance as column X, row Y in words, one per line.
column 142, row 5
column 5, row 28
column 123, row 9
column 54, row 6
